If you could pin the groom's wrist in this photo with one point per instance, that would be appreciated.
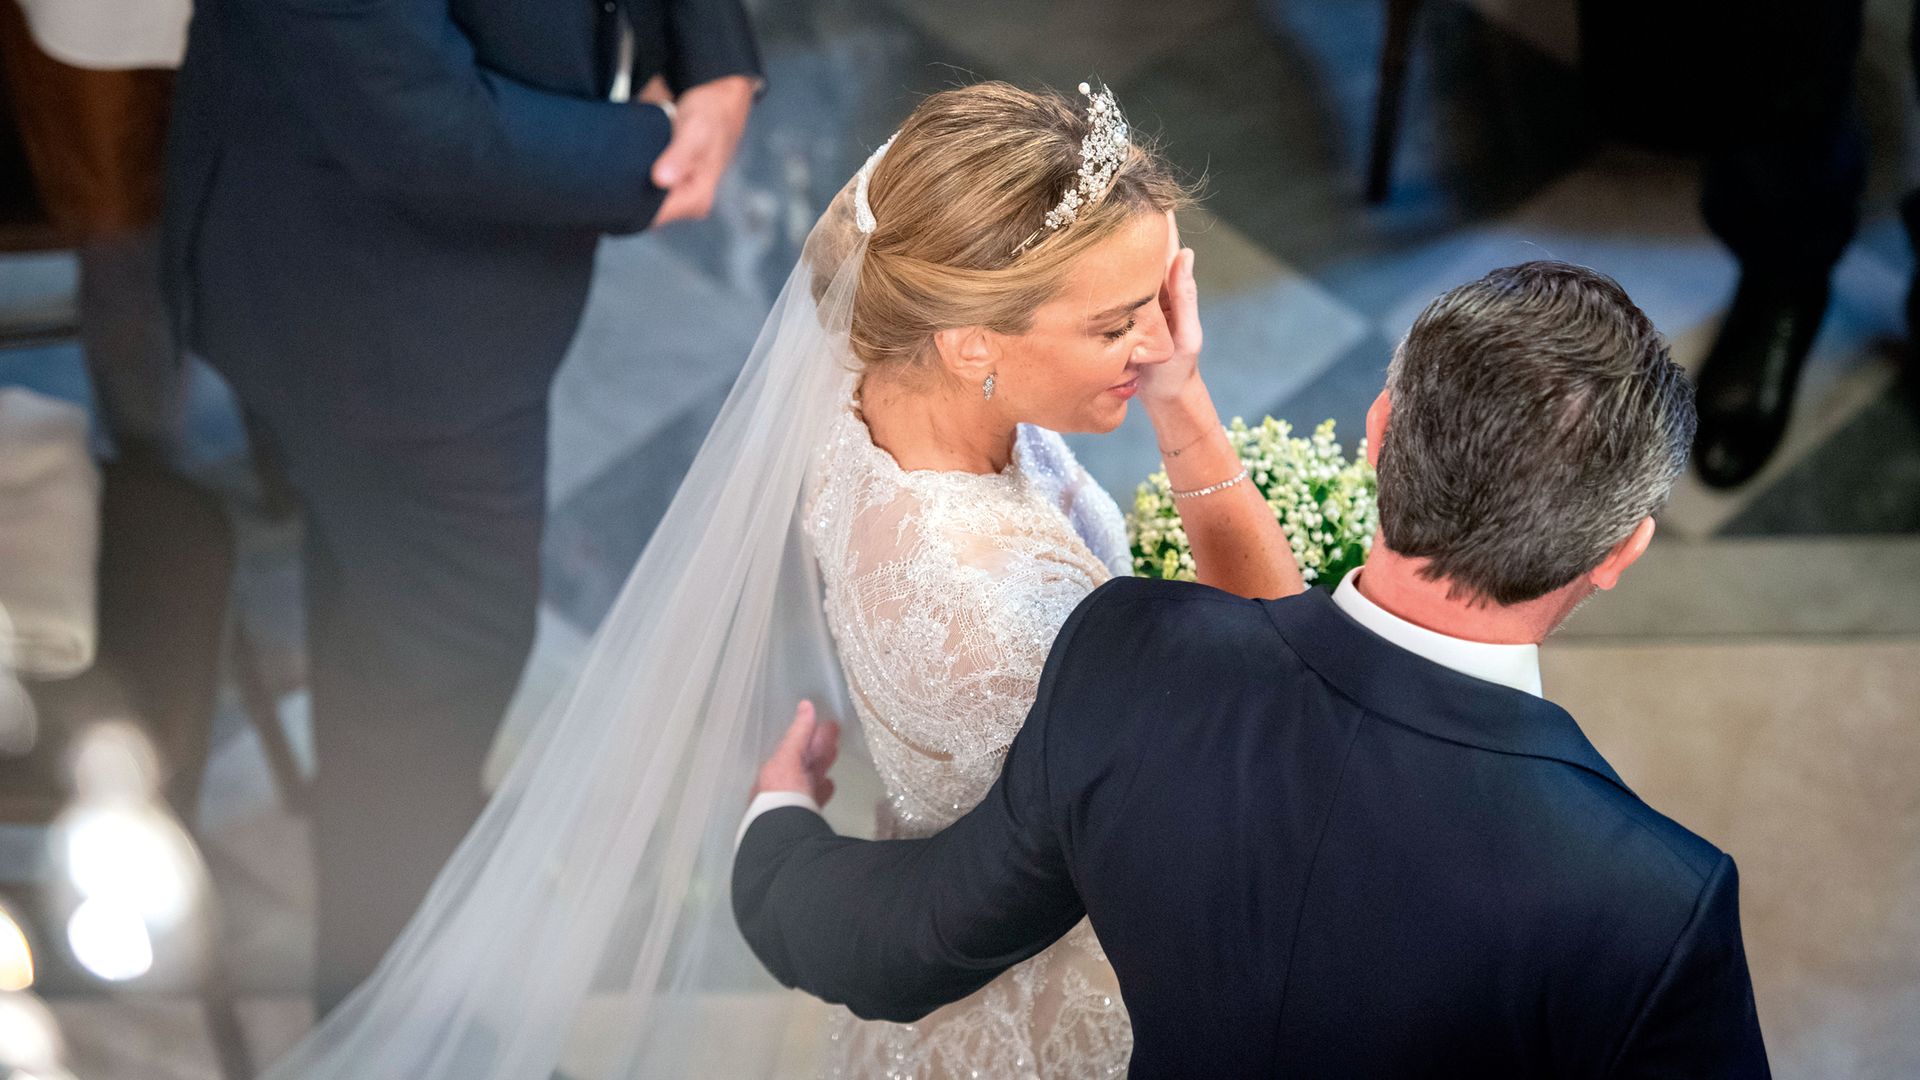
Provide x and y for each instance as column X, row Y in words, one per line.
column 767, row 801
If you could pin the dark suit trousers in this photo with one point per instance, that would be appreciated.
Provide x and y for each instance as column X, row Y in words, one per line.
column 422, row 582
column 1783, row 193
column 1763, row 89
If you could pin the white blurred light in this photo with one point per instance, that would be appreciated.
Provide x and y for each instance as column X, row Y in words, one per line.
column 16, row 956
column 110, row 940
column 129, row 878
column 114, row 761
column 29, row 1037
column 132, row 855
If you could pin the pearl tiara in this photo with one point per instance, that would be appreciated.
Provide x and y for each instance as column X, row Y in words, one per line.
column 1102, row 153
column 862, row 209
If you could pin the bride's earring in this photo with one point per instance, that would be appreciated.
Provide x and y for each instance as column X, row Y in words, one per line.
column 986, row 388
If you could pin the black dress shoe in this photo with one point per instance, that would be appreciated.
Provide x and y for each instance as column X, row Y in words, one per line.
column 1746, row 386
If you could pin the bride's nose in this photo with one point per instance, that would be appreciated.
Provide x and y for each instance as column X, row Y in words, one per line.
column 1156, row 343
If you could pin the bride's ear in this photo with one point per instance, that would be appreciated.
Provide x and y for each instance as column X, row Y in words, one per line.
column 969, row 353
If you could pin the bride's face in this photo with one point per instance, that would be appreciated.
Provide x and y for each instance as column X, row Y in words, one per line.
column 1079, row 364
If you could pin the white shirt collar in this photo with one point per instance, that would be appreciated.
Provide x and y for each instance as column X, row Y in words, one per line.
column 1516, row 666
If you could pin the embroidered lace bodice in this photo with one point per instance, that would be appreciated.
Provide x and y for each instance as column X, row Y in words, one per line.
column 944, row 592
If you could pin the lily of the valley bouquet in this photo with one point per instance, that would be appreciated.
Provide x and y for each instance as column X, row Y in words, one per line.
column 1325, row 502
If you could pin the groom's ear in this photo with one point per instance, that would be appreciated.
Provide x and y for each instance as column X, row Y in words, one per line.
column 969, row 352
column 1624, row 554
column 1377, row 414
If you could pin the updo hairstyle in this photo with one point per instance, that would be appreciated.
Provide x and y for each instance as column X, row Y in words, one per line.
column 971, row 176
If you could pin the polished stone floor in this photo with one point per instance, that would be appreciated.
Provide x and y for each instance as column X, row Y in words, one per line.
column 1755, row 677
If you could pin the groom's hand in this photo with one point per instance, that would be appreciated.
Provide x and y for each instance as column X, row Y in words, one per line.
column 800, row 763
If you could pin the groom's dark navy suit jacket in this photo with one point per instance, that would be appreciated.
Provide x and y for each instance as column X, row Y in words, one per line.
column 1307, row 852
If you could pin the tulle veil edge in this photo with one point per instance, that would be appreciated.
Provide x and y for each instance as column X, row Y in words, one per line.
column 583, row 928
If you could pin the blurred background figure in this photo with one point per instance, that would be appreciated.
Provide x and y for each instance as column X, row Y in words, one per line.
column 1782, row 190
column 381, row 222
column 1766, row 93
column 90, row 83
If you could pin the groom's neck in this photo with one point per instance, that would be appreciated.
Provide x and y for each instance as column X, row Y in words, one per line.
column 1394, row 582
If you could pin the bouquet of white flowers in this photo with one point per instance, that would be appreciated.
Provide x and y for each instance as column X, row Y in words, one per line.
column 1325, row 502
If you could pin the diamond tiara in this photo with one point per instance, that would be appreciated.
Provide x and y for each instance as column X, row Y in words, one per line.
column 1101, row 154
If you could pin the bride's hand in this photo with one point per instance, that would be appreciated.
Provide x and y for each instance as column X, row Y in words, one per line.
column 1180, row 306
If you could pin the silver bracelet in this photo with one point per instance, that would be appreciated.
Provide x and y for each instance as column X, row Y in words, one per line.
column 1210, row 489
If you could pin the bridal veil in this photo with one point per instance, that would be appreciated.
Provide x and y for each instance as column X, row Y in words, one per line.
column 584, row 928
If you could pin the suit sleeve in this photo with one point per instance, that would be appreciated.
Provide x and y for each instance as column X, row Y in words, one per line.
column 398, row 97
column 707, row 39
column 1700, row 1020
column 895, row 929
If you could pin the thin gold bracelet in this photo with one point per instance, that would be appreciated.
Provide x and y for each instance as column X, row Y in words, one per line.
column 1211, row 488
column 1197, row 440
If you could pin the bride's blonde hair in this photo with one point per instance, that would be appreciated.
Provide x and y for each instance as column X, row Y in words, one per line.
column 970, row 177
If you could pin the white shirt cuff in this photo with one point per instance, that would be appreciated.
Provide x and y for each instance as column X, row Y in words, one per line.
column 772, row 800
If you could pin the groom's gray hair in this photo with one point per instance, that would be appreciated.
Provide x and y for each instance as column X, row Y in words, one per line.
column 1536, row 419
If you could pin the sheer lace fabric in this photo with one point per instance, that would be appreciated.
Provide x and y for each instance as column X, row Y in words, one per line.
column 944, row 592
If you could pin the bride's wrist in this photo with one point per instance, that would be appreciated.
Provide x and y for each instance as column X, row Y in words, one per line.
column 1179, row 417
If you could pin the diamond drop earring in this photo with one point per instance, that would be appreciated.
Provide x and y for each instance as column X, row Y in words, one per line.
column 986, row 388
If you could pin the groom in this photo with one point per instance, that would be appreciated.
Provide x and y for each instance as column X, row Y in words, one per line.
column 1336, row 835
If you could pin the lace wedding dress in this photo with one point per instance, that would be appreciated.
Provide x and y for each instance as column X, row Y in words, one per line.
column 944, row 592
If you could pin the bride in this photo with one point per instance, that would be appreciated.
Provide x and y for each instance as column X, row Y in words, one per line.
column 884, row 478
column 954, row 529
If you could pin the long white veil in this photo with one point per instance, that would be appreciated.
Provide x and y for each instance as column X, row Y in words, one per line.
column 586, row 917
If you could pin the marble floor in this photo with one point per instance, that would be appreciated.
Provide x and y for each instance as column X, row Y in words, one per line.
column 1811, row 790
column 1755, row 677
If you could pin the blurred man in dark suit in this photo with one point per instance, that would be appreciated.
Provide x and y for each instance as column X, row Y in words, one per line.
column 380, row 225
column 1765, row 91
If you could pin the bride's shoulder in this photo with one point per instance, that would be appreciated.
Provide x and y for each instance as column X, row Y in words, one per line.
column 847, row 456
column 849, row 478
column 846, row 434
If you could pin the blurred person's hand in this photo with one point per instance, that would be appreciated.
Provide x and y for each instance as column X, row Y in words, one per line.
column 707, row 123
